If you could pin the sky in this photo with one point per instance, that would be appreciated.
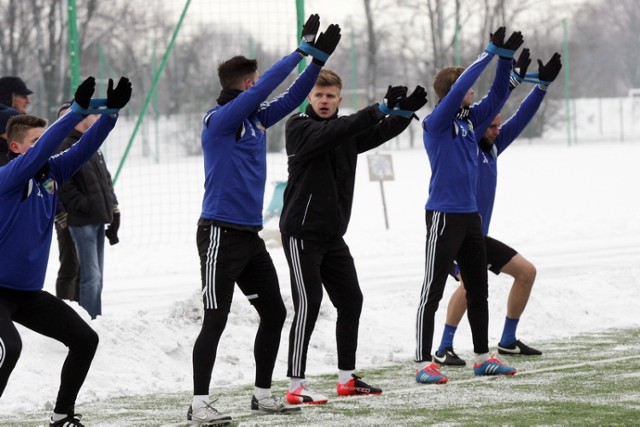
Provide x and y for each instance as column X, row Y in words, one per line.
column 571, row 210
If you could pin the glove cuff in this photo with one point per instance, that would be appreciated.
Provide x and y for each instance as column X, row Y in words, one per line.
column 500, row 51
column 96, row 104
column 384, row 108
column 311, row 50
column 514, row 81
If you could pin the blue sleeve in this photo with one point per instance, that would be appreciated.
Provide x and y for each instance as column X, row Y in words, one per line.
column 483, row 112
column 230, row 116
column 65, row 164
column 24, row 167
column 279, row 107
column 440, row 118
column 513, row 127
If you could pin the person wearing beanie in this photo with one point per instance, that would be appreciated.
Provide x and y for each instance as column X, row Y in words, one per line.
column 14, row 93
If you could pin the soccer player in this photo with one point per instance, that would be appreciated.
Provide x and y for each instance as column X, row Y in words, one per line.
column 500, row 257
column 453, row 224
column 230, row 249
column 322, row 151
column 28, row 187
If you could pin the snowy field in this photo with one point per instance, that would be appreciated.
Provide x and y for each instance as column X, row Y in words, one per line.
column 573, row 211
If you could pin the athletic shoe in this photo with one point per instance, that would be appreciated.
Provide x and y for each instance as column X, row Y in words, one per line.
column 448, row 357
column 271, row 405
column 304, row 394
column 71, row 420
column 493, row 366
column 518, row 347
column 431, row 375
column 207, row 416
column 355, row 386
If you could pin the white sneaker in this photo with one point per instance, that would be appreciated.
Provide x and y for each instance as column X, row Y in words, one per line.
column 304, row 394
column 271, row 405
column 207, row 416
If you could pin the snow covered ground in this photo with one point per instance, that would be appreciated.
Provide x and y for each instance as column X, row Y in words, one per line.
column 573, row 211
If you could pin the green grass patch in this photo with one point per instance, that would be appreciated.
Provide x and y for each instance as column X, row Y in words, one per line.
column 591, row 379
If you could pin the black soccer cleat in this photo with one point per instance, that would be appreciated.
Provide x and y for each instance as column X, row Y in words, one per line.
column 518, row 347
column 71, row 420
column 448, row 358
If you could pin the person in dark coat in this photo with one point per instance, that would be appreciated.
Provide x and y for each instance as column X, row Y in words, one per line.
column 90, row 203
column 322, row 152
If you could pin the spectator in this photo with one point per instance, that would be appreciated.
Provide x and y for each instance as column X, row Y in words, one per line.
column 14, row 93
column 90, row 203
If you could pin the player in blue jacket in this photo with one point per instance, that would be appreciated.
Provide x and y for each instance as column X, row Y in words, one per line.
column 453, row 223
column 230, row 249
column 500, row 257
column 28, row 186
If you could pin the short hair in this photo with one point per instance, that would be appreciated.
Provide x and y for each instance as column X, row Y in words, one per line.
column 64, row 107
column 444, row 79
column 233, row 71
column 18, row 126
column 329, row 78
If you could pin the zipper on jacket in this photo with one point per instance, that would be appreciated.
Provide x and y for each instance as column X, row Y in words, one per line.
column 306, row 208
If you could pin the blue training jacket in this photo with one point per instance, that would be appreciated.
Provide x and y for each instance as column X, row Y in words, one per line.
column 451, row 143
column 28, row 186
column 488, row 166
column 236, row 169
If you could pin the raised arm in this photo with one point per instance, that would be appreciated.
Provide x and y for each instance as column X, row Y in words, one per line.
column 514, row 126
column 25, row 166
column 279, row 107
column 439, row 120
column 66, row 163
column 489, row 106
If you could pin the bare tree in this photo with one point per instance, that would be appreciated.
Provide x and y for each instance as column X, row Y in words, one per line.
column 372, row 48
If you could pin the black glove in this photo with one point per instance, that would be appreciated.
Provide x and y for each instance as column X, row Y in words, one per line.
column 309, row 31
column 310, row 28
column 497, row 38
column 112, row 230
column 415, row 101
column 84, row 92
column 520, row 67
column 118, row 97
column 549, row 71
column 514, row 41
column 327, row 42
column 512, row 44
column 394, row 95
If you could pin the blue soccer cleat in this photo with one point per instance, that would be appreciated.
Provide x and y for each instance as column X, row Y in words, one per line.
column 431, row 375
column 493, row 366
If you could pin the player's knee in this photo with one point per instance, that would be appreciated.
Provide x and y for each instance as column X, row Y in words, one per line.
column 354, row 303
column 86, row 339
column 275, row 314
column 528, row 273
column 10, row 350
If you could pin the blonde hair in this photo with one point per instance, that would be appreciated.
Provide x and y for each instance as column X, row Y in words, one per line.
column 444, row 79
column 329, row 78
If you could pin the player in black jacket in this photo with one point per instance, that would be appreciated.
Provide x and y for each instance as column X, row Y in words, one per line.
column 322, row 151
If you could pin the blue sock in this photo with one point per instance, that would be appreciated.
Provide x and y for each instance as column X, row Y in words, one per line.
column 447, row 337
column 509, row 331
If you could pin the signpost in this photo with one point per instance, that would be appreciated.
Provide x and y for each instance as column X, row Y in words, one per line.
column 381, row 169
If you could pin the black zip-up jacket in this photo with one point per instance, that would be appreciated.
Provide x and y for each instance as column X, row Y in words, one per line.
column 4, row 151
column 88, row 196
column 322, row 157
